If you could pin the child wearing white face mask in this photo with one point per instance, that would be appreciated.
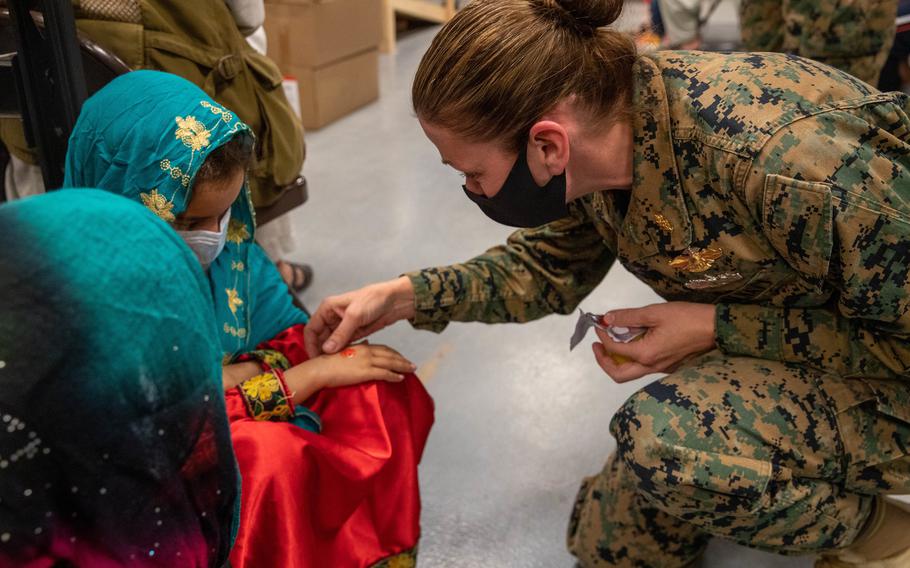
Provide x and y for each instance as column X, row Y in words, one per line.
column 207, row 244
column 344, row 496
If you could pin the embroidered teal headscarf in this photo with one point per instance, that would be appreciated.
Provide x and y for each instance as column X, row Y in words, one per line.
column 115, row 447
column 145, row 136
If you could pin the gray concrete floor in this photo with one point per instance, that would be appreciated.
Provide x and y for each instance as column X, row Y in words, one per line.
column 519, row 419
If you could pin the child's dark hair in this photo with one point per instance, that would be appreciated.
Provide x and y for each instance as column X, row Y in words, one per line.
column 225, row 160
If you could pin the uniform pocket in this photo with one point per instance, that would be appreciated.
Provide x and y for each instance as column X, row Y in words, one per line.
column 873, row 418
column 798, row 222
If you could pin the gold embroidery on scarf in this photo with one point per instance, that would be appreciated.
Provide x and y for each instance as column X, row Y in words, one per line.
column 226, row 115
column 237, row 265
column 192, row 133
column 237, row 231
column 234, row 300
column 158, row 205
column 175, row 172
column 663, row 222
column 235, row 331
column 696, row 259
column 226, row 359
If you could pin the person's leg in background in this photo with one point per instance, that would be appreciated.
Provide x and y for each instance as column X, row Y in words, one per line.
column 277, row 238
column 21, row 176
column 854, row 36
column 761, row 25
column 681, row 23
column 896, row 73
column 657, row 22
column 770, row 455
column 22, row 179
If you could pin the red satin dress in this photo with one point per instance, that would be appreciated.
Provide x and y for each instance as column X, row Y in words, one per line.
column 345, row 497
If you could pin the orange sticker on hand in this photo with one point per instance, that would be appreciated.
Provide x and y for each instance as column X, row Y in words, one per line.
column 349, row 352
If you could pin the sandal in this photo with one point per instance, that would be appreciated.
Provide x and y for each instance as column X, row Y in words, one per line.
column 301, row 275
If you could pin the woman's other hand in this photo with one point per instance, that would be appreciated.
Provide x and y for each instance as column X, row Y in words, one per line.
column 676, row 332
column 355, row 315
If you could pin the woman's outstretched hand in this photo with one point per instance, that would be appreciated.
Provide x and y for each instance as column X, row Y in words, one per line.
column 676, row 331
column 355, row 315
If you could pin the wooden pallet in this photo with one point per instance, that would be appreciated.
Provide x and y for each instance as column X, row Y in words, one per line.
column 427, row 10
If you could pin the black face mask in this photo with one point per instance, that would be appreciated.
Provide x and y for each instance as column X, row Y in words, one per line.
column 521, row 202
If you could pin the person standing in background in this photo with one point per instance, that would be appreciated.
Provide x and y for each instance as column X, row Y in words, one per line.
column 854, row 36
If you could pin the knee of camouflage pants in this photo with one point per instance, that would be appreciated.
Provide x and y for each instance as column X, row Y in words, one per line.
column 612, row 525
column 754, row 451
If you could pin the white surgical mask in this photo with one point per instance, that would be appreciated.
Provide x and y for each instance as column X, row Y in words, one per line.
column 207, row 244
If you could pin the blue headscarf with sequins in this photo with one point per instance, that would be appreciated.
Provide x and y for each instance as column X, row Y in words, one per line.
column 115, row 447
column 145, row 136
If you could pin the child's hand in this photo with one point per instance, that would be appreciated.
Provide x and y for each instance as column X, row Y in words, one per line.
column 352, row 366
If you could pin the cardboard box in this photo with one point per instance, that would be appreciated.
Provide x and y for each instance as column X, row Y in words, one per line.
column 329, row 92
column 313, row 33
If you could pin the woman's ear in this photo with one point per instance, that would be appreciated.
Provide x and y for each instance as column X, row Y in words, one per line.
column 548, row 150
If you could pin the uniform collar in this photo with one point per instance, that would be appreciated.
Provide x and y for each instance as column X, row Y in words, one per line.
column 657, row 219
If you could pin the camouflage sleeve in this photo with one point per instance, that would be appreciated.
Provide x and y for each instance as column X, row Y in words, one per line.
column 847, row 233
column 539, row 271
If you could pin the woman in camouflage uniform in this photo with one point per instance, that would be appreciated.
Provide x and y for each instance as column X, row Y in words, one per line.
column 766, row 197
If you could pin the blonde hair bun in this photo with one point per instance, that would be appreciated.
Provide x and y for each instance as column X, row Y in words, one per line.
column 584, row 16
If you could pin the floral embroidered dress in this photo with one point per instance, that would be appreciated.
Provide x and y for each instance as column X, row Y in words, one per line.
column 115, row 448
column 333, row 483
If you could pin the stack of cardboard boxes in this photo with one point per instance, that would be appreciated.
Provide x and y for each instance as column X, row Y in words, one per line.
column 330, row 48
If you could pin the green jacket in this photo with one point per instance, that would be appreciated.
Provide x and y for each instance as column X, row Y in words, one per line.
column 770, row 185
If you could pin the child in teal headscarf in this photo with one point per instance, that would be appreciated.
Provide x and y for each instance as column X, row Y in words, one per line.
column 115, row 448
column 160, row 140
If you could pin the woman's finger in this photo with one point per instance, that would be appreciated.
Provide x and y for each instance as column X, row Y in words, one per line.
column 602, row 358
column 343, row 333
column 634, row 317
column 623, row 372
column 319, row 327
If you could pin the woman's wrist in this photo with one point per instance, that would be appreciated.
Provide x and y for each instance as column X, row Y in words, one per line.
column 402, row 297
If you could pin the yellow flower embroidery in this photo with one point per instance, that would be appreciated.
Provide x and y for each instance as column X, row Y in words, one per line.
column 272, row 358
column 192, row 133
column 225, row 115
column 237, row 231
column 234, row 300
column 235, row 332
column 175, row 172
column 158, row 205
column 281, row 413
column 403, row 560
column 261, row 387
